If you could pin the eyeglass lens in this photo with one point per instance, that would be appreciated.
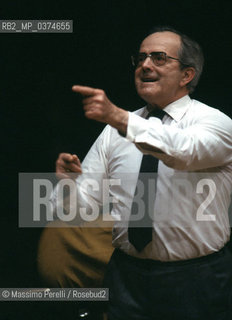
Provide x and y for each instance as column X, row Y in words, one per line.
column 158, row 58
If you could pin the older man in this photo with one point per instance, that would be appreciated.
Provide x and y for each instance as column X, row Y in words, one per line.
column 180, row 268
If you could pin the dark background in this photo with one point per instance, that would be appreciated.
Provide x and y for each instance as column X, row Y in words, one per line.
column 41, row 117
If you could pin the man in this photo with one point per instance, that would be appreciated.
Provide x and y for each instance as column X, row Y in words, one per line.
column 185, row 271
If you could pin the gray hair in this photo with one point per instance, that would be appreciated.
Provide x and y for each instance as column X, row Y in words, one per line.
column 190, row 54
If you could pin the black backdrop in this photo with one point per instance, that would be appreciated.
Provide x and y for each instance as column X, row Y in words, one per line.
column 41, row 117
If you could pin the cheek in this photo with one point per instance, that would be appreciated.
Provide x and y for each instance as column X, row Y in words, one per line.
column 138, row 84
column 136, row 77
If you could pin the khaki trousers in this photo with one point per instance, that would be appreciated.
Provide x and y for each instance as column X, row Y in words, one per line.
column 74, row 256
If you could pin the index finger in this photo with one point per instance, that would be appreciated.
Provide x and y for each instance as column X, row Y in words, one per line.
column 83, row 90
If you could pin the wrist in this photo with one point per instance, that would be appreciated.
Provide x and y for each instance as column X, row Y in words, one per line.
column 119, row 120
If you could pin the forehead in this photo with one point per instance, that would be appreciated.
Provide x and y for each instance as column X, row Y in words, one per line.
column 166, row 41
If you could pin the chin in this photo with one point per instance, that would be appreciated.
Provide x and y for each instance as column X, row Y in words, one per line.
column 147, row 94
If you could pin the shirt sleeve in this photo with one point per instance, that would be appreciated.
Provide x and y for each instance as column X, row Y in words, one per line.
column 85, row 200
column 204, row 142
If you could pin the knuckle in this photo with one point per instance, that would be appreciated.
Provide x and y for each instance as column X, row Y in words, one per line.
column 100, row 92
column 101, row 98
column 62, row 155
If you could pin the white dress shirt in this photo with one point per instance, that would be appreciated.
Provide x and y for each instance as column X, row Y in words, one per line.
column 194, row 144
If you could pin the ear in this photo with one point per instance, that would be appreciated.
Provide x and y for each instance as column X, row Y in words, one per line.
column 187, row 76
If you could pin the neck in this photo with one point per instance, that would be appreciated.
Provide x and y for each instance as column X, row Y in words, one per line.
column 151, row 106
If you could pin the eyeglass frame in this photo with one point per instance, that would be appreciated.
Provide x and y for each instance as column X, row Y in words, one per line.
column 150, row 56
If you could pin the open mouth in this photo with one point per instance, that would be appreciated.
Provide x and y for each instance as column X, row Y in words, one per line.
column 148, row 80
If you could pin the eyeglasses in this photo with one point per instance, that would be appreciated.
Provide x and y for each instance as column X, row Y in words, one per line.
column 158, row 58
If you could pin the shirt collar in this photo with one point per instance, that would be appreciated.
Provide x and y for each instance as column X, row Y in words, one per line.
column 178, row 108
column 175, row 110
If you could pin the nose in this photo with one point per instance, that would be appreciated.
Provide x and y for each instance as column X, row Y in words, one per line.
column 147, row 63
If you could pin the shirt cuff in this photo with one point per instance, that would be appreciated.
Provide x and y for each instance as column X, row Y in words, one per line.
column 136, row 126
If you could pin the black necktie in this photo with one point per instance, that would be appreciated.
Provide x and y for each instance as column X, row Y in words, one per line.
column 140, row 232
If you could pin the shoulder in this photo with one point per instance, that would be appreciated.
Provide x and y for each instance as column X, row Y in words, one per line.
column 204, row 113
column 206, row 109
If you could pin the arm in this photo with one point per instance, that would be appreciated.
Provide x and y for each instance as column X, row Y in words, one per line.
column 84, row 196
column 206, row 142
column 203, row 144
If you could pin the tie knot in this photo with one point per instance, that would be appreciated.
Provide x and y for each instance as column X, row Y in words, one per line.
column 158, row 113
